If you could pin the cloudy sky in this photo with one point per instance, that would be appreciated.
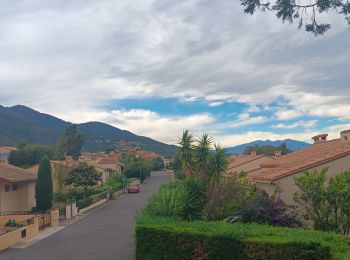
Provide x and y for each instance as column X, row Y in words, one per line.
column 155, row 67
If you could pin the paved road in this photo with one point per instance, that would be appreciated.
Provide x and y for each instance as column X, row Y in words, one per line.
column 106, row 233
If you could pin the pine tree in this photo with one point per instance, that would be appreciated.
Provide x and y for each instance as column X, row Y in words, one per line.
column 44, row 188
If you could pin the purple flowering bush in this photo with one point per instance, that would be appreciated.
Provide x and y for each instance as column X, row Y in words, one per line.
column 261, row 208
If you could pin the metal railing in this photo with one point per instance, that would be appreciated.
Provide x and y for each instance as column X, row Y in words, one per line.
column 7, row 213
column 8, row 229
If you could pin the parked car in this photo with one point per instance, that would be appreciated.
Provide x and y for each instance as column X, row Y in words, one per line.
column 133, row 188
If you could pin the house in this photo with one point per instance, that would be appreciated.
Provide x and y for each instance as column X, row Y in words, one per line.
column 246, row 163
column 107, row 166
column 17, row 188
column 334, row 154
column 5, row 152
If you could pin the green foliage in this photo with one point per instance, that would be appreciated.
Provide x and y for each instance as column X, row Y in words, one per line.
column 13, row 223
column 291, row 10
column 83, row 203
column 71, row 142
column 168, row 238
column 183, row 199
column 266, row 149
column 223, row 201
column 198, row 161
column 327, row 205
column 28, row 154
column 261, row 208
column 157, row 164
column 44, row 187
column 136, row 167
column 84, row 176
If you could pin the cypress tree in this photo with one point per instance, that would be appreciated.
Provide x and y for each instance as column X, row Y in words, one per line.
column 44, row 188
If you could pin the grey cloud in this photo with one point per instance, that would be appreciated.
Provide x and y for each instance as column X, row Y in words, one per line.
column 68, row 53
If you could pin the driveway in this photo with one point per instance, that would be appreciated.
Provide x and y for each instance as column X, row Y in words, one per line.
column 106, row 233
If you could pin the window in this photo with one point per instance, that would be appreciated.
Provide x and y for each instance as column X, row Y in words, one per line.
column 14, row 187
column 7, row 188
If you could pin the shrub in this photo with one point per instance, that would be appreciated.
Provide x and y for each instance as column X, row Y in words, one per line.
column 262, row 208
column 224, row 199
column 83, row 203
column 60, row 196
column 327, row 204
column 168, row 238
column 183, row 199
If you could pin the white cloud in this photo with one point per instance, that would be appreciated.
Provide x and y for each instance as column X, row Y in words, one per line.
column 245, row 119
column 304, row 124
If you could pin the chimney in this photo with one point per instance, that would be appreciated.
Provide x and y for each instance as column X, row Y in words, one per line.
column 278, row 153
column 253, row 153
column 320, row 138
column 345, row 136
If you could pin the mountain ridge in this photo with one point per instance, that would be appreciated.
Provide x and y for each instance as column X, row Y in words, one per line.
column 21, row 123
column 291, row 144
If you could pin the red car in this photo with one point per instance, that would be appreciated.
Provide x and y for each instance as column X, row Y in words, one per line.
column 133, row 188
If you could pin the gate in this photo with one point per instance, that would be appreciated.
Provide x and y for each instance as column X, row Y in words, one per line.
column 45, row 220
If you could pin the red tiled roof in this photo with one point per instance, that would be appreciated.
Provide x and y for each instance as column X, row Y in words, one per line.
column 9, row 173
column 243, row 159
column 302, row 160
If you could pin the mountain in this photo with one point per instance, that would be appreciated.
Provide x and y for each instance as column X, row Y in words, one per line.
column 291, row 144
column 20, row 123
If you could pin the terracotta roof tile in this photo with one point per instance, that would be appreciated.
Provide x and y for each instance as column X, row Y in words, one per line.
column 304, row 159
column 9, row 173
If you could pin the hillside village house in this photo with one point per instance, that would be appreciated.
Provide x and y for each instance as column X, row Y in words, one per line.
column 5, row 152
column 60, row 169
column 334, row 154
column 17, row 188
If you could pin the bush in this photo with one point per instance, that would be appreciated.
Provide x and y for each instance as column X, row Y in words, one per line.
column 183, row 199
column 168, row 238
column 223, row 201
column 83, row 203
column 261, row 208
column 60, row 196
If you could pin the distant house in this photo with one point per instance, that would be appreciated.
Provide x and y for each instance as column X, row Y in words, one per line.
column 246, row 163
column 334, row 154
column 5, row 152
column 107, row 166
column 17, row 188
column 148, row 155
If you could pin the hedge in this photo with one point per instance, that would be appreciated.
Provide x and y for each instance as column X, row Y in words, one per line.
column 91, row 200
column 166, row 238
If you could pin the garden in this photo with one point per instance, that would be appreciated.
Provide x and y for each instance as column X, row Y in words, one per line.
column 203, row 214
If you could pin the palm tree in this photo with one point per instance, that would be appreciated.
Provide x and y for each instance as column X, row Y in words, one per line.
column 186, row 152
column 202, row 155
column 218, row 165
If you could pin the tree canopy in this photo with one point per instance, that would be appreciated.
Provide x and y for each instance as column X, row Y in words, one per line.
column 267, row 149
column 71, row 142
column 28, row 154
column 44, row 187
column 299, row 10
column 83, row 176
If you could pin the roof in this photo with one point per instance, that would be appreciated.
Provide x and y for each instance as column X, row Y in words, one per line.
column 10, row 173
column 302, row 160
column 108, row 161
column 4, row 149
column 243, row 159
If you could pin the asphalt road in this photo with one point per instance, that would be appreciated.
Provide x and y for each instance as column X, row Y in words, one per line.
column 106, row 233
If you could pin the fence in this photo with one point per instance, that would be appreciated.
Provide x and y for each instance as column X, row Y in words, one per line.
column 44, row 221
column 8, row 229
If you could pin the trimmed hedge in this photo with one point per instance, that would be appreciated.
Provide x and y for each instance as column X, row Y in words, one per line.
column 91, row 200
column 167, row 238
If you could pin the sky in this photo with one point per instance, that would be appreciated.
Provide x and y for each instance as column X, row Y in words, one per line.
column 156, row 67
